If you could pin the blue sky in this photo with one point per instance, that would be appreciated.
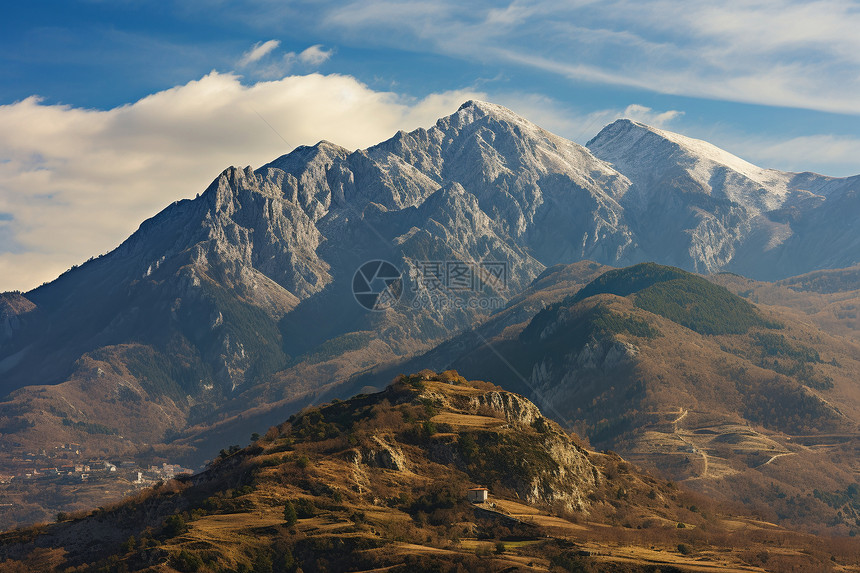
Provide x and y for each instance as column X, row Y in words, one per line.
column 109, row 110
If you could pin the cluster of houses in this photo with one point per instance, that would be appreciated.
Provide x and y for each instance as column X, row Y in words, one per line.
column 42, row 465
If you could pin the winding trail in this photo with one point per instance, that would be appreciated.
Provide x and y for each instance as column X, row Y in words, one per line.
column 774, row 457
column 683, row 414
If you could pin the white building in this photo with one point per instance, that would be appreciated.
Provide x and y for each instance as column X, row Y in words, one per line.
column 477, row 494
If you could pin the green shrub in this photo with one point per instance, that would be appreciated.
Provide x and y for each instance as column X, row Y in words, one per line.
column 624, row 282
column 188, row 562
column 290, row 515
column 174, row 525
column 337, row 346
column 670, row 292
column 230, row 451
column 91, row 427
column 129, row 544
column 304, row 508
column 262, row 563
column 777, row 345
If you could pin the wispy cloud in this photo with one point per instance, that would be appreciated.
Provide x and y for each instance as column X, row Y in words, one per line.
column 258, row 52
column 649, row 116
column 773, row 52
column 315, row 55
column 265, row 61
column 75, row 182
column 825, row 153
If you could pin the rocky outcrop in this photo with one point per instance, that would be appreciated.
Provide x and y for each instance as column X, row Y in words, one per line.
column 381, row 455
column 569, row 483
column 512, row 407
column 604, row 354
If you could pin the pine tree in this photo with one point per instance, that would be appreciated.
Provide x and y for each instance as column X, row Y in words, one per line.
column 290, row 516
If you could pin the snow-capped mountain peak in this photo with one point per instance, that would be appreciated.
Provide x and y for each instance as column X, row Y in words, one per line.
column 648, row 154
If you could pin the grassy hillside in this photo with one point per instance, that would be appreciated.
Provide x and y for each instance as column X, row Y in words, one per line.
column 695, row 383
column 379, row 483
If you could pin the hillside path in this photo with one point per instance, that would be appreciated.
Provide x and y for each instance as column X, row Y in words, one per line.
column 774, row 457
column 683, row 414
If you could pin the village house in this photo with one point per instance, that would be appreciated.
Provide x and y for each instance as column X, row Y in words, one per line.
column 477, row 494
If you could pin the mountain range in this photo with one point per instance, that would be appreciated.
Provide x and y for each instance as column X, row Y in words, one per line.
column 221, row 314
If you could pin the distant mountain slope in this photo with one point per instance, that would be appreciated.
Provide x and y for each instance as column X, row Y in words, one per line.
column 829, row 281
column 828, row 298
column 380, row 482
column 699, row 207
column 689, row 380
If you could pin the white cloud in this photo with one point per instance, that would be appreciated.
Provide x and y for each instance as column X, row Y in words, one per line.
column 263, row 60
column 826, row 153
column 76, row 182
column 648, row 116
column 258, row 52
column 314, row 55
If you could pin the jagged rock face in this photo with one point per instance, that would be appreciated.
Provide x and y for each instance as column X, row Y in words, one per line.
column 544, row 192
column 514, row 408
column 606, row 354
column 481, row 185
column 383, row 456
column 247, row 228
column 568, row 477
column 570, row 482
column 828, row 234
column 555, row 378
